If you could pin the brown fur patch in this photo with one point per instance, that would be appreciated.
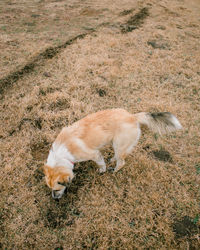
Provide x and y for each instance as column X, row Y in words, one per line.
column 55, row 175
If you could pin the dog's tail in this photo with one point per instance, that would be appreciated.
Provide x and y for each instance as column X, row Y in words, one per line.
column 161, row 122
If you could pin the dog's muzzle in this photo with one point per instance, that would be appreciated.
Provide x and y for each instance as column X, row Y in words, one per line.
column 58, row 194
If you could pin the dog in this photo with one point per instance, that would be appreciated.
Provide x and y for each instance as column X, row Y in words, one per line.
column 83, row 139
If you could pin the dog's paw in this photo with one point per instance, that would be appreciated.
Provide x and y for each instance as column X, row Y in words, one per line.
column 102, row 169
column 110, row 169
column 112, row 159
column 116, row 169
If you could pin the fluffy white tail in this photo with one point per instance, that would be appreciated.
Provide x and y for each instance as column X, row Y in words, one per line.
column 161, row 122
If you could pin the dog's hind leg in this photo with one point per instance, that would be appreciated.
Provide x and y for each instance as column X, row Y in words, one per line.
column 120, row 164
column 124, row 143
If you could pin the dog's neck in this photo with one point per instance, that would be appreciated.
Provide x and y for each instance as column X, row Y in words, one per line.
column 59, row 155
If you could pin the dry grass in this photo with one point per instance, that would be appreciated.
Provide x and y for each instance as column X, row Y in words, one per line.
column 153, row 202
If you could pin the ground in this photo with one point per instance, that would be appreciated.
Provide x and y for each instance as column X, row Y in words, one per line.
column 61, row 60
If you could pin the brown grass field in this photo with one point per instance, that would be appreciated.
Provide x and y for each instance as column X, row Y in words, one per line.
column 61, row 60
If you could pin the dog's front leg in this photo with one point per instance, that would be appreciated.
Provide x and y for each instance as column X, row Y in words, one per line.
column 100, row 162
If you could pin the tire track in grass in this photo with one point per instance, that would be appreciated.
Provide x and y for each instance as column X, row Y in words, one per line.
column 134, row 22
column 48, row 53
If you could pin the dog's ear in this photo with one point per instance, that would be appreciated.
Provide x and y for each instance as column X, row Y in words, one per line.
column 46, row 170
column 67, row 178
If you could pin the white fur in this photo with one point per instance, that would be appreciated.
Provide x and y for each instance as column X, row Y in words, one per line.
column 138, row 133
column 102, row 164
column 176, row 122
column 59, row 194
column 59, row 155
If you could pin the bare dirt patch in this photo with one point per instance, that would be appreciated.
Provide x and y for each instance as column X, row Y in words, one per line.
column 134, row 22
column 158, row 44
column 162, row 155
column 185, row 227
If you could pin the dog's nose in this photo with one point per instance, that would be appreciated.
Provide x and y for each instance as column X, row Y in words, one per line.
column 55, row 194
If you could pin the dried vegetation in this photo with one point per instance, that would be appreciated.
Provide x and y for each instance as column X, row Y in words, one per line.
column 95, row 63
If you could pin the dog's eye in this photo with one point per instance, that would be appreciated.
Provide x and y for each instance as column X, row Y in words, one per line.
column 61, row 183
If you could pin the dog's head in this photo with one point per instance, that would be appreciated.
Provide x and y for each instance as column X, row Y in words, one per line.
column 57, row 179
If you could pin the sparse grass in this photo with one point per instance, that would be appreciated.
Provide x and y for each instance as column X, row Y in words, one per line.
column 153, row 202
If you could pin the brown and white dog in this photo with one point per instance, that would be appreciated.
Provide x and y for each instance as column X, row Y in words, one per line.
column 82, row 141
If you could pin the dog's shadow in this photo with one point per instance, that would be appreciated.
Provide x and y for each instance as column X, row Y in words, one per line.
column 83, row 174
column 63, row 212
